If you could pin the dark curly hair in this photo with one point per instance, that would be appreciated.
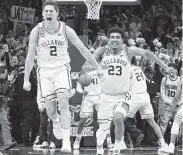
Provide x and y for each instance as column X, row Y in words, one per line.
column 115, row 30
column 175, row 66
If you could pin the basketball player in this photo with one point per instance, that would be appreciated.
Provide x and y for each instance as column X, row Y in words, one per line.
column 116, row 84
column 90, row 100
column 51, row 37
column 42, row 140
column 140, row 100
column 177, row 105
column 169, row 86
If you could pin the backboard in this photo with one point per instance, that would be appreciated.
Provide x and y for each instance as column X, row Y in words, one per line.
column 104, row 2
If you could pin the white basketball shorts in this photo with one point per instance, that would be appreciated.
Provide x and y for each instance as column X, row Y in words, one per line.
column 142, row 103
column 179, row 114
column 54, row 81
column 110, row 104
column 89, row 102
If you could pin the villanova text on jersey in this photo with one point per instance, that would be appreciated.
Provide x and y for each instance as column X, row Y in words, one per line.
column 52, row 49
column 52, row 42
column 115, row 60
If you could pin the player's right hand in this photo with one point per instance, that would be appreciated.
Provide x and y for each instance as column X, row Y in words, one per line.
column 27, row 86
column 100, row 74
column 85, row 92
column 104, row 67
column 41, row 107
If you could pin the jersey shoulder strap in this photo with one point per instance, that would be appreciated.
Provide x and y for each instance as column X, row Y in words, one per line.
column 63, row 29
column 125, row 49
column 41, row 30
column 166, row 79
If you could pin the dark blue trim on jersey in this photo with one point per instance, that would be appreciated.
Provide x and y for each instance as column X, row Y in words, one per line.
column 39, row 81
column 69, row 76
column 60, row 89
column 52, row 32
column 173, row 79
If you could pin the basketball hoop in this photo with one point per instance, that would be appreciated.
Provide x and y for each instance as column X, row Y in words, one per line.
column 93, row 7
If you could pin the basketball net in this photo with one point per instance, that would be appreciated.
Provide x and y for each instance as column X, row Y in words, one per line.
column 93, row 7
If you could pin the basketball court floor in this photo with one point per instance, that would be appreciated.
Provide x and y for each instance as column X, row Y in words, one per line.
column 84, row 151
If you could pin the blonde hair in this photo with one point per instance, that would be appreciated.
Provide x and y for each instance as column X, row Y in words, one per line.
column 51, row 2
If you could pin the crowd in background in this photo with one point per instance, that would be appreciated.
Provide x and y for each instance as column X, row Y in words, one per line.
column 155, row 25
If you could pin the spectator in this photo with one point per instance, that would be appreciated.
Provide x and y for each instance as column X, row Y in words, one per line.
column 10, row 38
column 105, row 18
column 135, row 25
column 27, row 100
column 5, row 125
column 2, row 41
column 1, row 27
column 21, row 58
column 122, row 22
column 14, row 63
column 20, row 29
column 149, row 17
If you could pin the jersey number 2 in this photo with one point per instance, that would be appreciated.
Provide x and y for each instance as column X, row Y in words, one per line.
column 53, row 50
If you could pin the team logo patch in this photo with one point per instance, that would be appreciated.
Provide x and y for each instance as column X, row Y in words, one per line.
column 107, row 51
column 42, row 32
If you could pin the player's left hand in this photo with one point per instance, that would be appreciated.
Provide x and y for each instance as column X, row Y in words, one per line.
column 41, row 107
column 85, row 92
column 100, row 73
column 171, row 115
column 104, row 67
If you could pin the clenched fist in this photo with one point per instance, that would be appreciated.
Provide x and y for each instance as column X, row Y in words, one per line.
column 27, row 86
column 41, row 107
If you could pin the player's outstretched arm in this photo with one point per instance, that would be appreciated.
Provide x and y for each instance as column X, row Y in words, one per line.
column 72, row 36
column 98, row 53
column 87, row 67
column 132, row 50
column 31, row 53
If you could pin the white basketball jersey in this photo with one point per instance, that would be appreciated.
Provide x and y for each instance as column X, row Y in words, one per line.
column 138, row 81
column 117, row 76
column 94, row 88
column 171, row 87
column 52, row 47
column 181, row 98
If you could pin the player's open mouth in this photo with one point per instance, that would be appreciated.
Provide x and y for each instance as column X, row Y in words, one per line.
column 49, row 19
column 115, row 44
